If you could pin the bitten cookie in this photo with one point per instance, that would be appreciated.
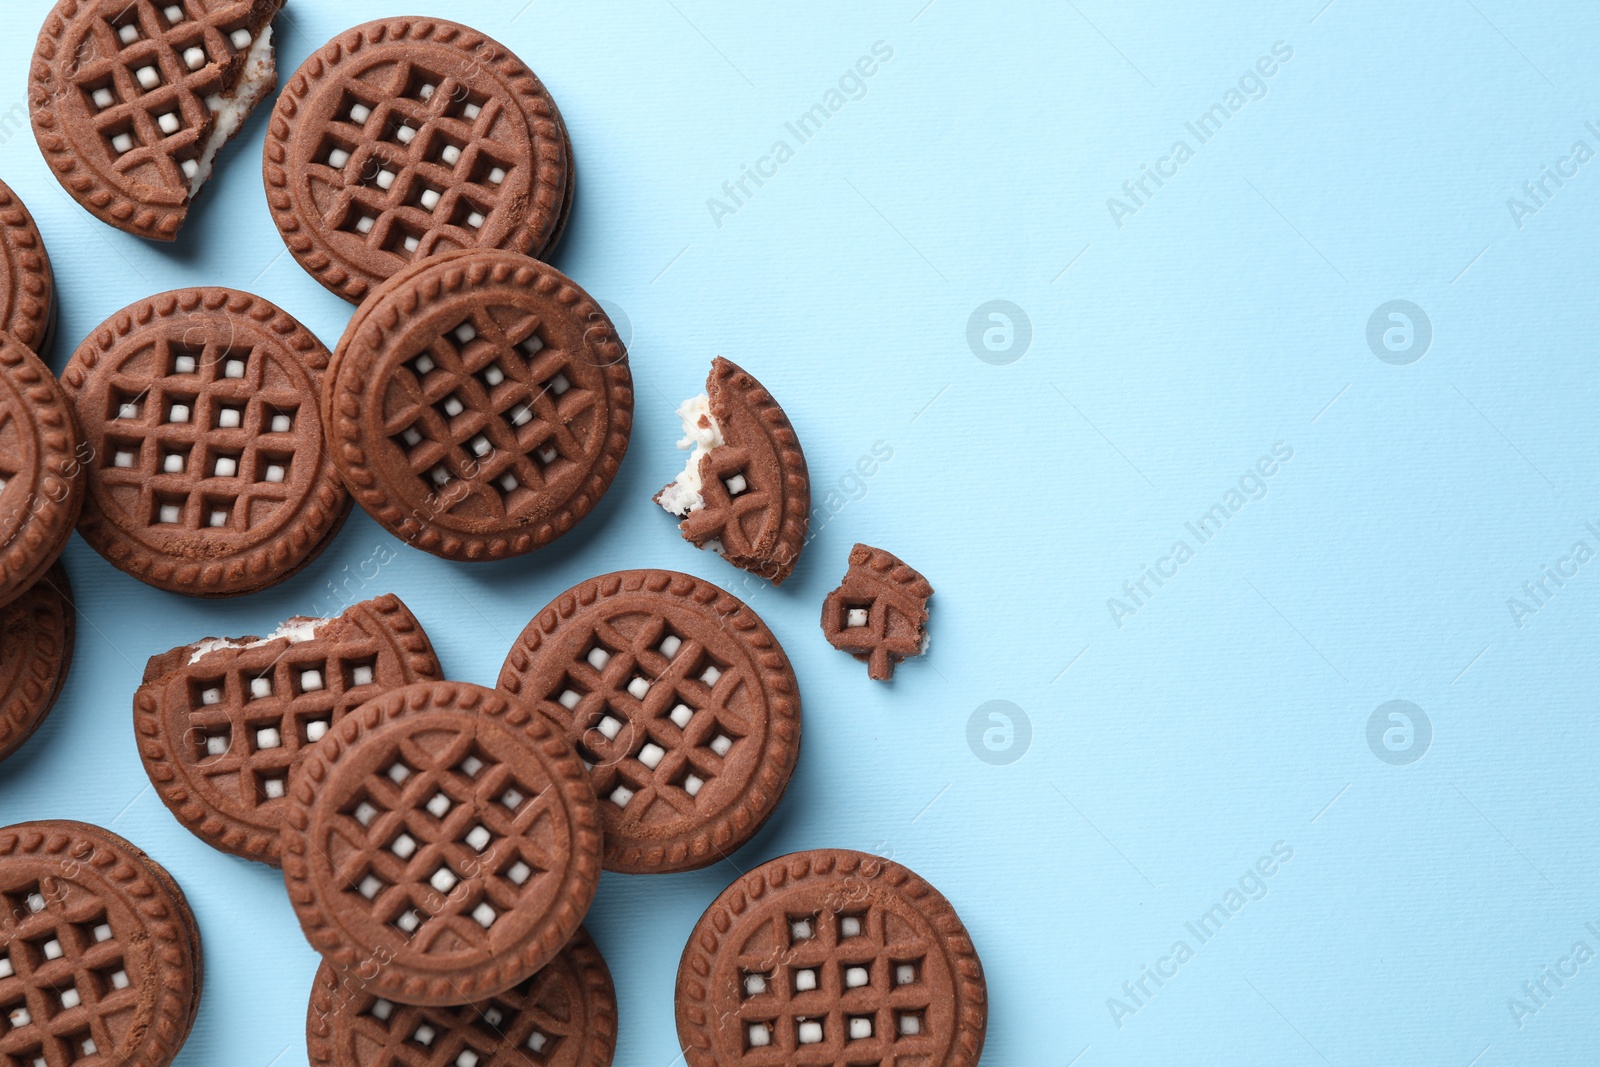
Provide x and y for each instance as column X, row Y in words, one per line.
column 222, row 724
column 680, row 701
column 479, row 405
column 41, row 469
column 564, row 1016
column 831, row 957
column 28, row 307
column 132, row 101
column 746, row 492
column 37, row 632
column 210, row 474
column 406, row 137
column 441, row 844
column 879, row 612
column 100, row 956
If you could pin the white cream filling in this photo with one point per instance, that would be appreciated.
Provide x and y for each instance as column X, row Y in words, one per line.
column 701, row 434
column 230, row 112
column 295, row 631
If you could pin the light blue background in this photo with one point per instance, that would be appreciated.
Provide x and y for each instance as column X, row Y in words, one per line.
column 1227, row 314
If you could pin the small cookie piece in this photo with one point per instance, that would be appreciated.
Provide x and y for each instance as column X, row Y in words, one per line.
column 681, row 702
column 28, row 306
column 100, row 958
column 564, row 1016
column 479, row 404
column 222, row 724
column 41, row 469
column 746, row 492
column 879, row 612
column 441, row 844
column 831, row 957
column 406, row 137
column 36, row 640
column 210, row 475
column 132, row 101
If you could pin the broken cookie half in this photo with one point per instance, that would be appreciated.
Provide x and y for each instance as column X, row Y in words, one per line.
column 132, row 101
column 879, row 613
column 745, row 492
column 222, row 724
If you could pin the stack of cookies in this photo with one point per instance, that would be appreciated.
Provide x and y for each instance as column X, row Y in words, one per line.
column 441, row 843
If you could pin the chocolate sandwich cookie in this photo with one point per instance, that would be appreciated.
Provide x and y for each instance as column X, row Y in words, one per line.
column 36, row 639
column 479, row 404
column 210, row 476
column 879, row 612
column 681, row 702
column 831, row 957
column 100, row 956
column 221, row 724
column 42, row 472
column 407, row 137
column 746, row 491
column 441, row 844
column 132, row 101
column 28, row 306
column 564, row 1016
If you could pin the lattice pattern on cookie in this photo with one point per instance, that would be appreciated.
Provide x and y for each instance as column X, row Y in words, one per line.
column 249, row 722
column 408, row 163
column 63, row 977
column 848, row 991
column 201, row 437
column 488, row 415
column 441, row 842
column 529, row 1023
column 147, row 70
column 878, row 612
column 651, row 710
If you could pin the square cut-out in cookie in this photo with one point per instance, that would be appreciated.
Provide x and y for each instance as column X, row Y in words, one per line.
column 213, row 742
column 169, row 511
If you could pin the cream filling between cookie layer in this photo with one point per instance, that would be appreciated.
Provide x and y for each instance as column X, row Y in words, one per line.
column 701, row 434
column 231, row 111
column 295, row 631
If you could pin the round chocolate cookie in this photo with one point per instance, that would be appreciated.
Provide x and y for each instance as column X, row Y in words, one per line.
column 407, row 137
column 564, row 1016
column 681, row 702
column 209, row 476
column 100, row 956
column 132, row 101
column 831, row 957
column 36, row 639
column 41, row 469
column 746, row 491
column 27, row 284
column 222, row 723
column 441, row 844
column 479, row 405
